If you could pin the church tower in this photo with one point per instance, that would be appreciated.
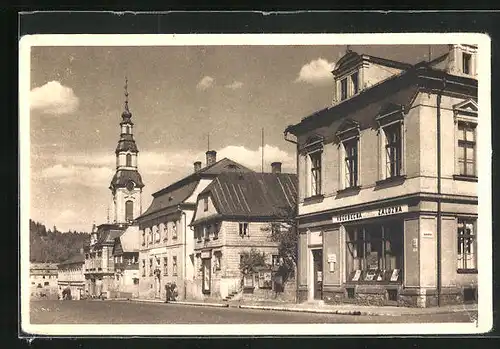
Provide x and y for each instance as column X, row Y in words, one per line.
column 126, row 185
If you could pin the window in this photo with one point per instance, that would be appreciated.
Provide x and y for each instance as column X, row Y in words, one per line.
column 375, row 250
column 150, row 235
column 315, row 173
column 393, row 147
column 143, row 267
column 205, row 204
column 343, row 89
column 206, row 232
column 351, row 163
column 199, row 232
column 165, row 231
column 129, row 160
column 129, row 210
column 86, row 256
column 143, row 237
column 44, row 276
column 216, row 230
column 165, row 265
column 274, row 260
column 46, row 283
column 243, row 229
column 99, row 254
column 466, row 63
column 355, row 83
column 466, row 252
column 157, row 233
column 174, row 230
column 467, row 149
column 218, row 257
column 150, row 266
column 174, row 265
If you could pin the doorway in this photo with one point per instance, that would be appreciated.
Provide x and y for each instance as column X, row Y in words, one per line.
column 317, row 274
column 206, row 276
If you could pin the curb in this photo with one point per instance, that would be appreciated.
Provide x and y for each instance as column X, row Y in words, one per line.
column 308, row 310
column 199, row 304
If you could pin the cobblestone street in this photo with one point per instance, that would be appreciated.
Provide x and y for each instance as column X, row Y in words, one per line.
column 124, row 312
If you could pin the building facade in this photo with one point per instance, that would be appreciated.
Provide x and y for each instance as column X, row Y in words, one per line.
column 234, row 215
column 43, row 280
column 71, row 276
column 126, row 263
column 166, row 253
column 387, row 204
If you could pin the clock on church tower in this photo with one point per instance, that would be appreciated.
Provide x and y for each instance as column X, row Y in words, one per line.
column 126, row 185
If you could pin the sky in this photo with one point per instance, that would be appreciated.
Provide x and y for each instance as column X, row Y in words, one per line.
column 177, row 95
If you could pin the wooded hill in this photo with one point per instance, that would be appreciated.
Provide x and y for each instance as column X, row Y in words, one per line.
column 53, row 246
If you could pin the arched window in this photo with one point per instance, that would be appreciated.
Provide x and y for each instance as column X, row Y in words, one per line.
column 129, row 160
column 129, row 210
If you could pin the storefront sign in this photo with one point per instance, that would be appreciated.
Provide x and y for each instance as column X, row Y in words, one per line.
column 385, row 211
column 428, row 234
column 159, row 250
column 206, row 254
column 356, row 276
column 395, row 275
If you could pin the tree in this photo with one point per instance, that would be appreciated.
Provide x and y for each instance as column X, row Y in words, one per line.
column 285, row 233
column 251, row 260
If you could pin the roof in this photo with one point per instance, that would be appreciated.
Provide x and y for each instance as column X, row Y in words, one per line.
column 122, row 177
column 398, row 91
column 352, row 57
column 107, row 233
column 253, row 195
column 128, row 241
column 76, row 259
column 126, row 143
column 167, row 199
column 43, row 266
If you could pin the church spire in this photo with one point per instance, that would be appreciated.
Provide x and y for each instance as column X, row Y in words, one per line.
column 126, row 115
column 126, row 94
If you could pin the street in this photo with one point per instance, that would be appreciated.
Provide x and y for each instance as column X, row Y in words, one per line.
column 125, row 312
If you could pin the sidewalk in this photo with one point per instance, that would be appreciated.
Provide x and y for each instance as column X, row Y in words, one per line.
column 320, row 307
column 353, row 309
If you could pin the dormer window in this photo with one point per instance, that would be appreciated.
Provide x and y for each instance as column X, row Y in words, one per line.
column 466, row 63
column 355, row 83
column 343, row 89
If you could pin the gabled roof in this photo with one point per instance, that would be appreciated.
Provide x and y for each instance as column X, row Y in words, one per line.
column 128, row 241
column 253, row 195
column 167, row 199
column 107, row 233
column 352, row 58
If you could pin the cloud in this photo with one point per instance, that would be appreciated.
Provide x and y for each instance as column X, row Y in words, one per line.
column 82, row 175
column 316, row 72
column 205, row 83
column 235, row 85
column 53, row 98
column 253, row 158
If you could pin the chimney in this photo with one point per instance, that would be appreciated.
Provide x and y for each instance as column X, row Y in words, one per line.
column 276, row 167
column 211, row 157
column 197, row 166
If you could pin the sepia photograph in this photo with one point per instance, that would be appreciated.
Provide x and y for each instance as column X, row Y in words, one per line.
column 291, row 184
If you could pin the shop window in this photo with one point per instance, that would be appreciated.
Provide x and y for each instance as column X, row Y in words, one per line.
column 466, row 253
column 466, row 149
column 243, row 229
column 374, row 252
column 174, row 265
column 165, row 265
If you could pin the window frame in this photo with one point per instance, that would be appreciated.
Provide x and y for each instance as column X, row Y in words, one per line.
column 462, row 144
column 243, row 232
column 129, row 210
column 174, row 266
column 344, row 89
column 351, row 163
column 205, row 204
column 315, row 173
column 465, row 265
column 165, row 266
column 467, row 63
column 355, row 82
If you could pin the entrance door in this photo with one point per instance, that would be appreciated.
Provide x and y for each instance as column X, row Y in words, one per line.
column 318, row 273
column 157, row 286
column 206, row 275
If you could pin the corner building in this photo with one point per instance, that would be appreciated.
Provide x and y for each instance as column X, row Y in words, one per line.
column 387, row 204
